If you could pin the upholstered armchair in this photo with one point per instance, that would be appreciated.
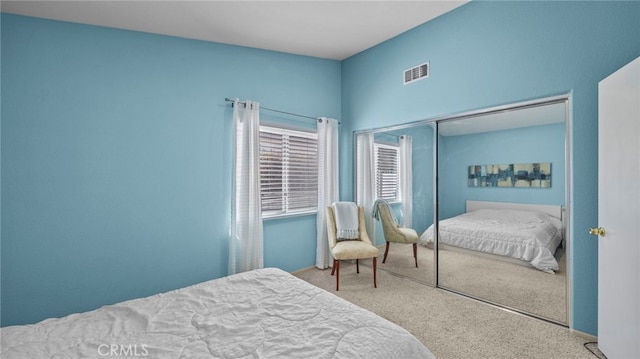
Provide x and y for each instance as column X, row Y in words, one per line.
column 393, row 233
column 357, row 249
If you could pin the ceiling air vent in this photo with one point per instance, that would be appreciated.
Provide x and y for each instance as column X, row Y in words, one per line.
column 416, row 73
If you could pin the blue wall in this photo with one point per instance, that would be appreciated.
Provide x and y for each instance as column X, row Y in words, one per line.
column 523, row 145
column 116, row 161
column 485, row 54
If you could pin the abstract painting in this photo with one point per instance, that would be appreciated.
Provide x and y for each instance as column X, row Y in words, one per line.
column 527, row 175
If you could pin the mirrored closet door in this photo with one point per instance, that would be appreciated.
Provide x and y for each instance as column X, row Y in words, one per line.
column 394, row 167
column 502, row 205
column 502, row 173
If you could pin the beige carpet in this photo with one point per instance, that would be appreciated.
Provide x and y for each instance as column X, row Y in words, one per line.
column 449, row 325
column 400, row 261
column 512, row 285
column 524, row 288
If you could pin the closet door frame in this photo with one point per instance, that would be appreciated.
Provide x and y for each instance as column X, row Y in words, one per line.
column 435, row 122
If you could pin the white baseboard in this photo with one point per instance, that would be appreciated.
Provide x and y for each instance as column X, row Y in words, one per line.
column 303, row 270
column 584, row 335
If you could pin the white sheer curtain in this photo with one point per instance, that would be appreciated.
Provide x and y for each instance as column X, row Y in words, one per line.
column 406, row 179
column 328, row 189
column 365, row 177
column 246, row 242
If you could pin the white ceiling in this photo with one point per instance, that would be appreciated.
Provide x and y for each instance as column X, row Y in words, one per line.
column 325, row 29
column 507, row 119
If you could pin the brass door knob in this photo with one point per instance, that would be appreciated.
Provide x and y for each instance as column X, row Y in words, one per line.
column 597, row 231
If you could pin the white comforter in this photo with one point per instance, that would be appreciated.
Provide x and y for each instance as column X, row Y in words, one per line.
column 529, row 236
column 266, row 313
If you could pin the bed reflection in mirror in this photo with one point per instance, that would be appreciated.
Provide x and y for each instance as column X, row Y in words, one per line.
column 394, row 176
column 504, row 244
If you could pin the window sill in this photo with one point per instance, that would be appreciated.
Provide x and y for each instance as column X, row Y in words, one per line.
column 288, row 215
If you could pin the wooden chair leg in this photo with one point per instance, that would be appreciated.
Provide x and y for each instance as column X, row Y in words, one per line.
column 375, row 264
column 336, row 266
column 358, row 266
column 415, row 253
column 386, row 251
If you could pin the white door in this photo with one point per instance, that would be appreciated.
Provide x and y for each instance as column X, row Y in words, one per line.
column 619, row 213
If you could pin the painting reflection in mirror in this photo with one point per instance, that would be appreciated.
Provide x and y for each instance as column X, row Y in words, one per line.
column 503, row 244
column 394, row 179
column 535, row 175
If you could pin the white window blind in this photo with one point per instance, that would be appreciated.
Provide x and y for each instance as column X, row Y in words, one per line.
column 386, row 170
column 288, row 171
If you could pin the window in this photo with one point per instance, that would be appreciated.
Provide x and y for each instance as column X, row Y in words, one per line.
column 288, row 171
column 386, row 171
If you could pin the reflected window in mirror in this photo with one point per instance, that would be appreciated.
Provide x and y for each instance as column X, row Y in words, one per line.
column 387, row 173
column 408, row 189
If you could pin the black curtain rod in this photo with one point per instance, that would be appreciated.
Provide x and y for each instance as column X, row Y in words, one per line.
column 270, row 109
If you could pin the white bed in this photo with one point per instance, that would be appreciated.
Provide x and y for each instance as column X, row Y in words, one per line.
column 266, row 313
column 525, row 232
